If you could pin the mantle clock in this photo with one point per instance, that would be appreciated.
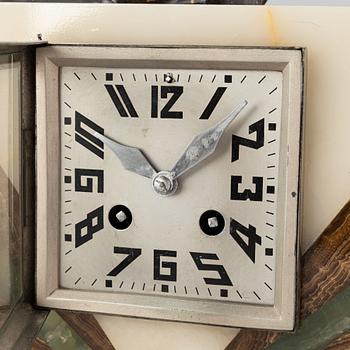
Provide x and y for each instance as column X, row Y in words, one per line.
column 168, row 182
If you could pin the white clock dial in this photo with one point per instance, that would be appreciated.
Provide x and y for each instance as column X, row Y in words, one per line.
column 215, row 237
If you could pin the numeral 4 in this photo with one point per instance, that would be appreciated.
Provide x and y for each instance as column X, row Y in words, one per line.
column 250, row 232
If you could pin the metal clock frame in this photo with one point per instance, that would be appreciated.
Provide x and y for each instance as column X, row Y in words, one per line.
column 289, row 61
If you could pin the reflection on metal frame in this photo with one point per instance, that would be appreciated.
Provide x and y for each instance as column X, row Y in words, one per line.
column 10, row 215
column 19, row 322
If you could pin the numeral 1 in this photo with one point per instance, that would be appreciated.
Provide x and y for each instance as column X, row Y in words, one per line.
column 213, row 103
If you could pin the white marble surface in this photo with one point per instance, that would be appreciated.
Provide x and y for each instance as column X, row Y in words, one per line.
column 131, row 333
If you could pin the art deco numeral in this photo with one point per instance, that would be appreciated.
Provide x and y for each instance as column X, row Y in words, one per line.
column 213, row 103
column 237, row 141
column 131, row 255
column 87, row 185
column 247, row 194
column 224, row 279
column 93, row 223
column 176, row 92
column 126, row 110
column 170, row 265
column 86, row 138
column 250, row 232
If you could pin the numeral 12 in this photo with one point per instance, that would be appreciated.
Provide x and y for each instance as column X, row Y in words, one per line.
column 175, row 91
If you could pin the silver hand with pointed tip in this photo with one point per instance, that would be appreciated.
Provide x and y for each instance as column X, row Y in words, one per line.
column 204, row 144
column 131, row 158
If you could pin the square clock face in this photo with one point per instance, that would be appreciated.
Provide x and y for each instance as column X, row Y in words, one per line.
column 168, row 182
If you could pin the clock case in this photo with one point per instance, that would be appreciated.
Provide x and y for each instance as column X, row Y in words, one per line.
column 289, row 61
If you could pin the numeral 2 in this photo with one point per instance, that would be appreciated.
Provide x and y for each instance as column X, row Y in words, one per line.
column 224, row 280
column 93, row 223
column 86, row 138
column 176, row 92
column 250, row 232
column 237, row 141
column 131, row 255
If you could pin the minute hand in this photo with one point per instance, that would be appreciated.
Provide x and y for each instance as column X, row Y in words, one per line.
column 204, row 144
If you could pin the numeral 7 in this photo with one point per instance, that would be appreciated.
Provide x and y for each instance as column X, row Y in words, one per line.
column 132, row 255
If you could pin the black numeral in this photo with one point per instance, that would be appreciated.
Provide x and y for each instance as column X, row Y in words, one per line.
column 158, row 264
column 247, row 194
column 250, row 233
column 176, row 92
column 86, row 138
column 126, row 110
column 224, row 280
column 131, row 255
column 88, row 185
column 237, row 141
column 93, row 223
column 213, row 103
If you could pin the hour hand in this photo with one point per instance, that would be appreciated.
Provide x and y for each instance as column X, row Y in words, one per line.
column 204, row 144
column 131, row 158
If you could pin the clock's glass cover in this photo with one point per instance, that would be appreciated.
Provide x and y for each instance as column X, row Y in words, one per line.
column 214, row 237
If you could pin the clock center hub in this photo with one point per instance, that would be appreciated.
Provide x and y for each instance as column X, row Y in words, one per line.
column 164, row 183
